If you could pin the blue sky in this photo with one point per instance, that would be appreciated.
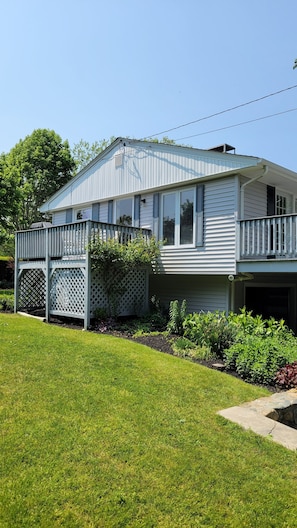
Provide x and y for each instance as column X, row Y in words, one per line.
column 90, row 69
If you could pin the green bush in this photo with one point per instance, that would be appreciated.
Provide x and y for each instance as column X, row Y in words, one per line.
column 257, row 358
column 247, row 324
column 210, row 329
column 6, row 303
column 183, row 347
column 177, row 314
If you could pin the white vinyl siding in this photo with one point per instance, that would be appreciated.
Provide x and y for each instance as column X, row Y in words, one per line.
column 145, row 167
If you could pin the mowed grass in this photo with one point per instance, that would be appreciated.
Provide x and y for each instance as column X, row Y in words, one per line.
column 99, row 431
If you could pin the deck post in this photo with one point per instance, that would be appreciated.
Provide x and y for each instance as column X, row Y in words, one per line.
column 47, row 276
column 16, row 275
column 87, row 277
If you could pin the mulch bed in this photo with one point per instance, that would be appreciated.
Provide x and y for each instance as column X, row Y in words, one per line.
column 160, row 342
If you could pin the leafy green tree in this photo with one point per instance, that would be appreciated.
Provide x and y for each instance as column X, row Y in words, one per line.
column 40, row 164
column 8, row 201
column 83, row 152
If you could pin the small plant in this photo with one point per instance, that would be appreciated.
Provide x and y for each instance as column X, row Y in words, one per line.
column 210, row 329
column 183, row 347
column 286, row 377
column 100, row 313
column 177, row 314
column 6, row 303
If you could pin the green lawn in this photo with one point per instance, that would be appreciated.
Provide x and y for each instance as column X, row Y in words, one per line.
column 98, row 431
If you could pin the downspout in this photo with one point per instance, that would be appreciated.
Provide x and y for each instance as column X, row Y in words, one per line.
column 244, row 185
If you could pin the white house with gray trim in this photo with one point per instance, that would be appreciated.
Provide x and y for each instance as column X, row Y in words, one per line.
column 227, row 222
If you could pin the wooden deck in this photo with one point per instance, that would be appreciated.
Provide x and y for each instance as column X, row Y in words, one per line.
column 53, row 269
column 70, row 240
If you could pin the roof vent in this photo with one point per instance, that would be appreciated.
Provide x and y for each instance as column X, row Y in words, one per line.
column 223, row 148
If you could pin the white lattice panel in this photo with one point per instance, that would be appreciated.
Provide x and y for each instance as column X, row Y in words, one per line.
column 132, row 302
column 67, row 291
column 31, row 289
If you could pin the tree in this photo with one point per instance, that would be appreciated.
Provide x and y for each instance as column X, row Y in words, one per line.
column 8, row 201
column 40, row 165
column 83, row 152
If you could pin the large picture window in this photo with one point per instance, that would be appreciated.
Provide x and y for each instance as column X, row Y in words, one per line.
column 124, row 212
column 178, row 218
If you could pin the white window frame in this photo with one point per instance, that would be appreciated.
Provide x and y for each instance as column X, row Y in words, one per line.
column 177, row 193
column 86, row 213
column 290, row 201
column 132, row 209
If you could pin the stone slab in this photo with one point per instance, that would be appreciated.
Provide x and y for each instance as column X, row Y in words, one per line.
column 253, row 416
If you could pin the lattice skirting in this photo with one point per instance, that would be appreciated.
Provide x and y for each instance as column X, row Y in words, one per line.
column 133, row 300
column 31, row 294
column 67, row 292
column 67, row 287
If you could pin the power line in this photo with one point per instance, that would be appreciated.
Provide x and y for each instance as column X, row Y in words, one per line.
column 238, row 124
column 222, row 112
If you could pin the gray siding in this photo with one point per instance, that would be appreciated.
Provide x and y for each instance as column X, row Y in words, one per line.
column 255, row 200
column 103, row 215
column 146, row 212
column 59, row 218
column 202, row 293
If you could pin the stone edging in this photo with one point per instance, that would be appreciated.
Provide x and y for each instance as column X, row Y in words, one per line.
column 260, row 416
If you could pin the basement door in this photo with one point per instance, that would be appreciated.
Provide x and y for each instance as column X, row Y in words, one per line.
column 270, row 301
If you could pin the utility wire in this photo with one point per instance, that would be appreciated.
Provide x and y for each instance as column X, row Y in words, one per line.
column 237, row 124
column 222, row 112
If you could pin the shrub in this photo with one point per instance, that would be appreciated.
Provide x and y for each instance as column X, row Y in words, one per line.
column 115, row 261
column 6, row 303
column 183, row 347
column 257, row 358
column 177, row 314
column 286, row 377
column 247, row 324
column 210, row 329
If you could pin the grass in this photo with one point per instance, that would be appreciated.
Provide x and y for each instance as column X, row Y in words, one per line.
column 99, row 431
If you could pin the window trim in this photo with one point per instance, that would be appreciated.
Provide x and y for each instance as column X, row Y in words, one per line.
column 76, row 211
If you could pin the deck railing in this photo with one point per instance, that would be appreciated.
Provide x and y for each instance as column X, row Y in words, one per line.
column 71, row 240
column 272, row 237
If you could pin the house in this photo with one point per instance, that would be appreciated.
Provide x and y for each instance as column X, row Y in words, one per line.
column 228, row 223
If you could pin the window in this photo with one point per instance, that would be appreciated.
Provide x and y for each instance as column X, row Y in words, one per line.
column 83, row 214
column 178, row 218
column 124, row 212
column 283, row 203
